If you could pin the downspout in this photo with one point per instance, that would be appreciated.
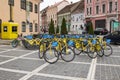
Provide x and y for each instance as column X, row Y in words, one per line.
column 11, row 13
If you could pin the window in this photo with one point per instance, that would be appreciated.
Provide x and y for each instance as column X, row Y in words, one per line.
column 36, row 8
column 11, row 2
column 81, row 17
column 90, row 10
column 14, row 28
column 30, row 6
column 23, row 4
column 5, row 29
column 73, row 18
column 31, row 27
column 116, row 4
column 73, row 26
column 110, row 7
column 76, row 26
column 36, row 27
column 97, row 9
column 87, row 11
column 90, row 1
column 23, row 27
column 103, row 8
column 87, row 1
column 76, row 19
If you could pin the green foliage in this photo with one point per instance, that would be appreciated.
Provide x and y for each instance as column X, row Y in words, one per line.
column 51, row 27
column 63, row 27
column 90, row 28
column 57, row 30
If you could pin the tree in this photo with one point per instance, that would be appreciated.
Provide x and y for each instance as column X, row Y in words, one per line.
column 63, row 27
column 51, row 27
column 90, row 28
column 57, row 29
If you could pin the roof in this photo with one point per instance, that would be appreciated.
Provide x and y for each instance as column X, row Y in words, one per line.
column 58, row 3
column 43, row 12
column 79, row 6
column 44, row 9
column 66, row 9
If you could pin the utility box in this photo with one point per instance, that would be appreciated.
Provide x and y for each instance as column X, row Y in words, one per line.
column 9, row 30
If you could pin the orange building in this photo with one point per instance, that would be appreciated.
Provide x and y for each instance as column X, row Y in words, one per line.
column 24, row 12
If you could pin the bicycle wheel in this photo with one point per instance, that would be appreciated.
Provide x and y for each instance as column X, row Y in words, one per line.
column 15, row 43
column 77, row 51
column 100, row 50
column 67, row 55
column 41, row 50
column 107, row 50
column 51, row 55
column 91, row 52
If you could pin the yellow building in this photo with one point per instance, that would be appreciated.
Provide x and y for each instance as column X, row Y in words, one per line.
column 24, row 12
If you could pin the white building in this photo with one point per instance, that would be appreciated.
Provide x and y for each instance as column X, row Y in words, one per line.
column 78, row 18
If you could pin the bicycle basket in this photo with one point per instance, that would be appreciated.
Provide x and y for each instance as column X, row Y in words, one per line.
column 54, row 44
column 94, row 41
column 108, row 41
column 29, row 37
column 70, row 43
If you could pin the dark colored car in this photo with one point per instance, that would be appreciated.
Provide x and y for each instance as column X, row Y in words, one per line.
column 114, row 36
column 100, row 31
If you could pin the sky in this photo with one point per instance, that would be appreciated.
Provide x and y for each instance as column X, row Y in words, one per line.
column 46, row 3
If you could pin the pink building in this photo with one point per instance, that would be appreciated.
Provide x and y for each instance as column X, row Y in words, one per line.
column 119, row 10
column 101, row 12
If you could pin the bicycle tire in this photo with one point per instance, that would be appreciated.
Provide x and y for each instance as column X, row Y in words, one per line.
column 64, row 54
column 106, row 53
column 91, row 54
column 101, row 51
column 15, row 43
column 77, row 51
column 55, row 56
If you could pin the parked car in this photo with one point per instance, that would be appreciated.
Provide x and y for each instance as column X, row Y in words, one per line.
column 100, row 31
column 114, row 36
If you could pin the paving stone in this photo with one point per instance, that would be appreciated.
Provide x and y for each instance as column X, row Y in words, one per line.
column 14, row 53
column 115, row 53
column 1, row 50
column 34, row 55
column 43, row 78
column 107, row 73
column 7, row 47
column 23, row 64
column 82, row 58
column 67, row 69
column 5, row 75
column 4, row 58
column 109, row 60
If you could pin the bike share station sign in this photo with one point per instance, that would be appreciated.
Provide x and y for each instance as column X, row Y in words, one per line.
column 9, row 30
column 116, row 25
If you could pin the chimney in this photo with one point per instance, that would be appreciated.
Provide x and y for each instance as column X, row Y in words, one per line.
column 71, row 2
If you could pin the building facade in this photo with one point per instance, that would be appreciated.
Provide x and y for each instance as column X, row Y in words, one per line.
column 65, row 13
column 24, row 12
column 53, row 10
column 101, row 13
column 77, row 19
column 44, row 24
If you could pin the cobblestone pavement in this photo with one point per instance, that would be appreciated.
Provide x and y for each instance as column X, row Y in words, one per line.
column 21, row 64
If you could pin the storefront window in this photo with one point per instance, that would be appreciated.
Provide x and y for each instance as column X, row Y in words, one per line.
column 14, row 28
column 5, row 28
